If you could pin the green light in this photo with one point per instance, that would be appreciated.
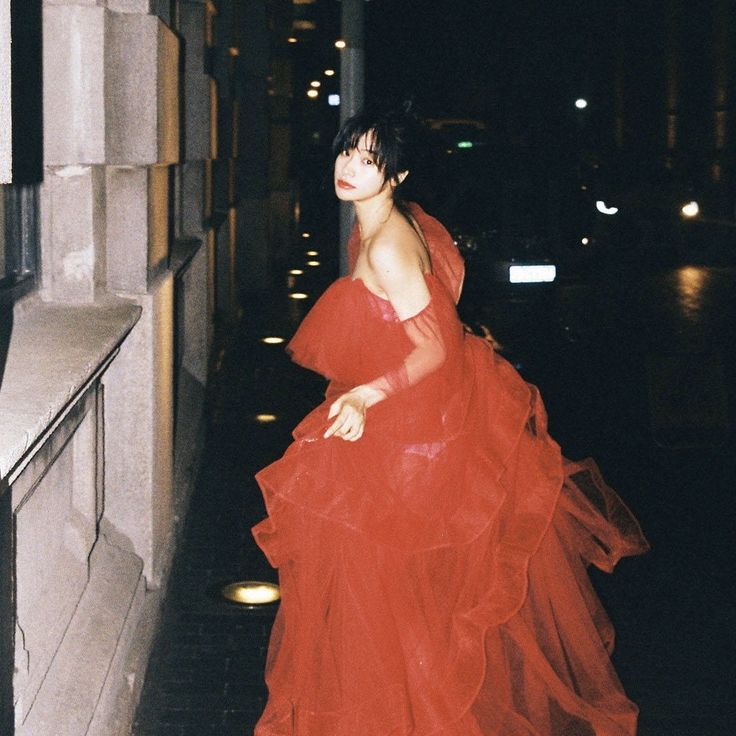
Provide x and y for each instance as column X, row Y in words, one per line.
column 465, row 144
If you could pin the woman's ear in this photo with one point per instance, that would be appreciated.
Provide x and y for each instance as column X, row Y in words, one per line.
column 400, row 177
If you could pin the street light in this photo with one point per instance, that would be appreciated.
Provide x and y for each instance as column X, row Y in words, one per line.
column 604, row 209
column 690, row 210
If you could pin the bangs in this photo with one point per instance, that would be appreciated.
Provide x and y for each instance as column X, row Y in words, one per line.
column 383, row 146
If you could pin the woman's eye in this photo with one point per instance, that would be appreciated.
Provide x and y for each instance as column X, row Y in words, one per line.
column 368, row 161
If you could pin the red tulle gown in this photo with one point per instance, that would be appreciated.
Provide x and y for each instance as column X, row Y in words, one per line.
column 433, row 573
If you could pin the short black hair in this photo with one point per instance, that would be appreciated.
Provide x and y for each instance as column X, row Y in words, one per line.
column 393, row 136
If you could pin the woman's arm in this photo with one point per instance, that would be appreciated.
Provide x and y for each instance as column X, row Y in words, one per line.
column 399, row 275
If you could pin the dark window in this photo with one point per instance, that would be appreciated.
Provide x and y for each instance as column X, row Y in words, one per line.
column 18, row 238
column 19, row 200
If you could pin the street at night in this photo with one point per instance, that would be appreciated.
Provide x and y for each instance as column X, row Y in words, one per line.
column 553, row 152
column 181, row 182
column 636, row 371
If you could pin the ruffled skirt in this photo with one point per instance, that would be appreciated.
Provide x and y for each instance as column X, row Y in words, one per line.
column 437, row 585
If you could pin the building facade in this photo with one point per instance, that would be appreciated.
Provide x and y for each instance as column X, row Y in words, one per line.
column 139, row 199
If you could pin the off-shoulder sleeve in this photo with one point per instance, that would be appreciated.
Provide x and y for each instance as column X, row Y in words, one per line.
column 429, row 352
column 447, row 263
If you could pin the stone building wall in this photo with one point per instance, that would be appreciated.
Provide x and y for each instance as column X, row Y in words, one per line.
column 106, row 360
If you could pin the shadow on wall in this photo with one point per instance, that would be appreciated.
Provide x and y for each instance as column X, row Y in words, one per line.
column 6, row 328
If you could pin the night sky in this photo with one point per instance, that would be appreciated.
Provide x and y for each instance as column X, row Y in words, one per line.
column 485, row 54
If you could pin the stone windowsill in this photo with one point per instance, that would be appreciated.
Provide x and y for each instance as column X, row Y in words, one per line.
column 53, row 352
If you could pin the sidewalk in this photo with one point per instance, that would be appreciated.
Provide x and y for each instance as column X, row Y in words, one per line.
column 206, row 671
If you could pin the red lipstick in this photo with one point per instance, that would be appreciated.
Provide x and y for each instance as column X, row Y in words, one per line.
column 344, row 184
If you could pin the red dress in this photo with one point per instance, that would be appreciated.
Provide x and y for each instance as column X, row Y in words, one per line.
column 433, row 573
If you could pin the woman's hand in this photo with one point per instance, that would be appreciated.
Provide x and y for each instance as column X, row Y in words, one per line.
column 349, row 412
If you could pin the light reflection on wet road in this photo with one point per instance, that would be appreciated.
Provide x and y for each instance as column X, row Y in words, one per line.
column 638, row 371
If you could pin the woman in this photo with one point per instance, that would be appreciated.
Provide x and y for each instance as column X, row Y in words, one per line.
column 431, row 541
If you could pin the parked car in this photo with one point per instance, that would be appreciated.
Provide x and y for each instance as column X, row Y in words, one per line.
column 500, row 203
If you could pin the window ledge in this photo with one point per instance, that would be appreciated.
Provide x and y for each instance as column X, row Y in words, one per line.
column 53, row 352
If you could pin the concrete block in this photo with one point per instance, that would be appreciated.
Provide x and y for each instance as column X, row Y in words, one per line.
column 158, row 219
column 194, row 325
column 198, row 113
column 137, row 226
column 73, row 84
column 70, row 697
column 139, row 433
column 72, row 232
column 55, row 504
column 130, row 6
column 142, row 82
column 192, row 26
column 193, row 183
column 127, row 229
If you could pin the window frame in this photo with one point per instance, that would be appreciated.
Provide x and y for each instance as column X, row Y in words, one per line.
column 21, row 196
column 21, row 240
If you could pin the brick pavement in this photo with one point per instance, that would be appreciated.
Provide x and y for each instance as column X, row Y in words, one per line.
column 205, row 675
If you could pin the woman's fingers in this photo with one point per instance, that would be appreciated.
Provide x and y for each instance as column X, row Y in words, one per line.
column 348, row 424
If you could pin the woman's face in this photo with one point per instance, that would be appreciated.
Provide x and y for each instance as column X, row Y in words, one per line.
column 357, row 176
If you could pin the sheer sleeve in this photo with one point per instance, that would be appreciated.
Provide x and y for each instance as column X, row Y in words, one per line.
column 428, row 352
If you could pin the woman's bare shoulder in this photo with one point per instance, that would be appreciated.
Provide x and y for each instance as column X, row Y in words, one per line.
column 396, row 245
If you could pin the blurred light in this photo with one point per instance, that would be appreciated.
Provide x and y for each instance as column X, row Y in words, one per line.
column 465, row 144
column 303, row 25
column 333, row 100
column 266, row 418
column 312, row 93
column 296, row 272
column 298, row 295
column 312, row 253
column 583, row 187
column 691, row 209
column 306, row 235
column 585, row 241
column 601, row 206
column 329, row 72
column 532, row 274
column 251, row 593
column 316, row 84
column 274, row 340
column 313, row 263
column 233, row 51
column 692, row 283
column 291, row 39
column 340, row 44
column 581, row 103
